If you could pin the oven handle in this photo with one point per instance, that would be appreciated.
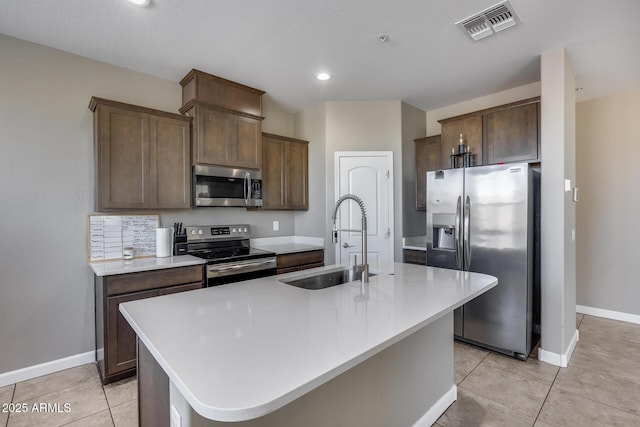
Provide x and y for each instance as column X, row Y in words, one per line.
column 238, row 266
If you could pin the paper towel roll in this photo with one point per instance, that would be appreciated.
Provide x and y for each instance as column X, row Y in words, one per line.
column 164, row 242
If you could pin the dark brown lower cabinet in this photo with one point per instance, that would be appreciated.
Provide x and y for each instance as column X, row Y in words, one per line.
column 287, row 263
column 115, row 339
column 153, row 391
column 412, row 256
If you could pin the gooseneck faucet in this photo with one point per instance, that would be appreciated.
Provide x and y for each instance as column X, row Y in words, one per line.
column 364, row 267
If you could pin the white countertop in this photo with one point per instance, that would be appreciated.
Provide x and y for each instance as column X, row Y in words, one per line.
column 417, row 243
column 121, row 266
column 288, row 244
column 243, row 350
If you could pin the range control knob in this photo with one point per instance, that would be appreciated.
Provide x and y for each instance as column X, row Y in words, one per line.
column 233, row 230
column 245, row 230
column 200, row 231
column 193, row 232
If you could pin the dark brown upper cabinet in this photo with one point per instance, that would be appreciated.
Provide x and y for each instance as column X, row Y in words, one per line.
column 285, row 173
column 428, row 158
column 142, row 157
column 512, row 134
column 470, row 127
column 227, row 120
column 502, row 134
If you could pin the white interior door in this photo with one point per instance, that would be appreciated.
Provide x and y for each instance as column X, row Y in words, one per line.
column 368, row 175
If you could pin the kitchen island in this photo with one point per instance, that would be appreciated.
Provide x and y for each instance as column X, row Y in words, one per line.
column 265, row 353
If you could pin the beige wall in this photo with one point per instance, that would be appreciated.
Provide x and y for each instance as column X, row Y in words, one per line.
column 608, row 231
column 46, row 192
column 349, row 126
column 557, row 217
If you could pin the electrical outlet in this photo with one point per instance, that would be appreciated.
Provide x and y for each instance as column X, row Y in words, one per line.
column 276, row 225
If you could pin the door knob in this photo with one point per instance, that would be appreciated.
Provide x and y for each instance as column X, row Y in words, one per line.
column 346, row 245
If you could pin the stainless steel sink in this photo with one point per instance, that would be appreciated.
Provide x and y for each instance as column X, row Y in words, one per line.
column 326, row 279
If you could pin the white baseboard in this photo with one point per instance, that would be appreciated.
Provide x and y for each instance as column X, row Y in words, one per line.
column 561, row 360
column 438, row 408
column 30, row 372
column 608, row 314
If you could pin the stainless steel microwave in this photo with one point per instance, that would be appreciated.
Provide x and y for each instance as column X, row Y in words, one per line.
column 223, row 186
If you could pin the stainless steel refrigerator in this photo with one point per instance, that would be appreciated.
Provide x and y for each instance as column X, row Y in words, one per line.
column 482, row 219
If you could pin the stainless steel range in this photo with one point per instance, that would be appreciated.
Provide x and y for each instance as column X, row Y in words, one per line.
column 230, row 257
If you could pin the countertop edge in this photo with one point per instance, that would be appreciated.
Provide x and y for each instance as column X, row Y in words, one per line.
column 137, row 265
column 244, row 414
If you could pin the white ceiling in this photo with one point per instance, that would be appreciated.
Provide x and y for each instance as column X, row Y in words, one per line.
column 279, row 45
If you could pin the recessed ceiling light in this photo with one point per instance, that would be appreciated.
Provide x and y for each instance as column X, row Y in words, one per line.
column 141, row 3
column 323, row 76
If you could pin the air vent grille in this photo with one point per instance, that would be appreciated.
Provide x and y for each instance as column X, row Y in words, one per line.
column 490, row 21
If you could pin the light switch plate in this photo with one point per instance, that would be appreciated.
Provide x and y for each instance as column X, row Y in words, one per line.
column 276, row 225
column 567, row 185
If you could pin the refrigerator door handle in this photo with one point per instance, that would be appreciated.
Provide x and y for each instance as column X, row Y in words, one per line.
column 467, row 233
column 458, row 240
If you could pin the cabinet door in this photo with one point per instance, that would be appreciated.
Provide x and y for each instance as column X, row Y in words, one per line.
column 123, row 153
column 170, row 163
column 471, row 129
column 297, row 175
column 213, row 137
column 511, row 135
column 428, row 158
column 246, row 145
column 121, row 339
column 273, row 170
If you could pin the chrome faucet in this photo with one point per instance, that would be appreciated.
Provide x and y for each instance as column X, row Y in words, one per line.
column 364, row 267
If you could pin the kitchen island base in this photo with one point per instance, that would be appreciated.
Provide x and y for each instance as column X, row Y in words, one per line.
column 408, row 383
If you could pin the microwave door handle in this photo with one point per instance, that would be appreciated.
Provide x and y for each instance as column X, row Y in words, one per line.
column 247, row 188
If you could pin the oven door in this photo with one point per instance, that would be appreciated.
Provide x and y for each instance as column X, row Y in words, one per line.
column 221, row 186
column 236, row 271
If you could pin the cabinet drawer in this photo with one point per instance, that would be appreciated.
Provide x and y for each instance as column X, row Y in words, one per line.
column 300, row 258
column 133, row 282
column 180, row 288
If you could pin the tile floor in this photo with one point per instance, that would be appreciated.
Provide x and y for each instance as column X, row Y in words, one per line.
column 601, row 387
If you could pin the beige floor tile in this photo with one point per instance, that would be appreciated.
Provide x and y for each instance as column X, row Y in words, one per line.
column 513, row 391
column 83, row 400
column 624, row 364
column 6, row 394
column 57, row 381
column 121, row 391
column 612, row 329
column 531, row 369
column 616, row 391
column 125, row 415
column 567, row 409
column 472, row 409
column 466, row 358
column 101, row 419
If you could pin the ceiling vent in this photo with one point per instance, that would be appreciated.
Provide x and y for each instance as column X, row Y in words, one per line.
column 491, row 20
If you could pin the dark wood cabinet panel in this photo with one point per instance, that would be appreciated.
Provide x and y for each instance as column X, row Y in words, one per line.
column 121, row 339
column 273, row 171
column 115, row 339
column 285, row 174
column 170, row 163
column 511, row 134
column 412, row 256
column 471, row 129
column 297, row 175
column 224, row 138
column 287, row 263
column 122, row 149
column 428, row 158
column 142, row 157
